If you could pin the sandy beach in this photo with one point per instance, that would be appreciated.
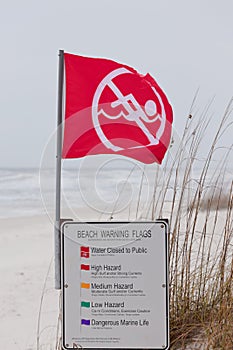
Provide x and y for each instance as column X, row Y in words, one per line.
column 26, row 252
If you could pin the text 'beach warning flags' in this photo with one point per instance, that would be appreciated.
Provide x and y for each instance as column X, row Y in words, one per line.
column 112, row 109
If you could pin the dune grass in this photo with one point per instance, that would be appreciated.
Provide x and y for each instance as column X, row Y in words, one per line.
column 200, row 211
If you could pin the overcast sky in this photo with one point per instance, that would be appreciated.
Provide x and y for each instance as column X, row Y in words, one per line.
column 183, row 44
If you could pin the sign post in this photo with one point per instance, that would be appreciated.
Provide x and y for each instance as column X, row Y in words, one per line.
column 115, row 285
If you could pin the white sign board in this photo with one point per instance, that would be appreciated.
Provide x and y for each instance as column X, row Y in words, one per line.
column 115, row 285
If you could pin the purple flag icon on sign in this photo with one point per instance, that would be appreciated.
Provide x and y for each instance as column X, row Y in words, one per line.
column 85, row 322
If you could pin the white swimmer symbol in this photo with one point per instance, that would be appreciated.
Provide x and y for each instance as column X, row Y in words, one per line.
column 135, row 112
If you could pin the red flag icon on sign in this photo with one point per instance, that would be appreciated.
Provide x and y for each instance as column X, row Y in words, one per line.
column 84, row 252
column 110, row 108
column 85, row 267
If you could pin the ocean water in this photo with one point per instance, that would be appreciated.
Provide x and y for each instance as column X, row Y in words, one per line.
column 113, row 186
column 102, row 186
column 19, row 193
column 28, row 192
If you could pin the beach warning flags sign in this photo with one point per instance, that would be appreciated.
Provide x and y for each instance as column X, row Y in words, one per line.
column 112, row 109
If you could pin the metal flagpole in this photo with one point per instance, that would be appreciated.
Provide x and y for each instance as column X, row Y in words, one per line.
column 57, row 233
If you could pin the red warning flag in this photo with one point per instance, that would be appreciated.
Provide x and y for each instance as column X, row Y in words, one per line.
column 112, row 109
